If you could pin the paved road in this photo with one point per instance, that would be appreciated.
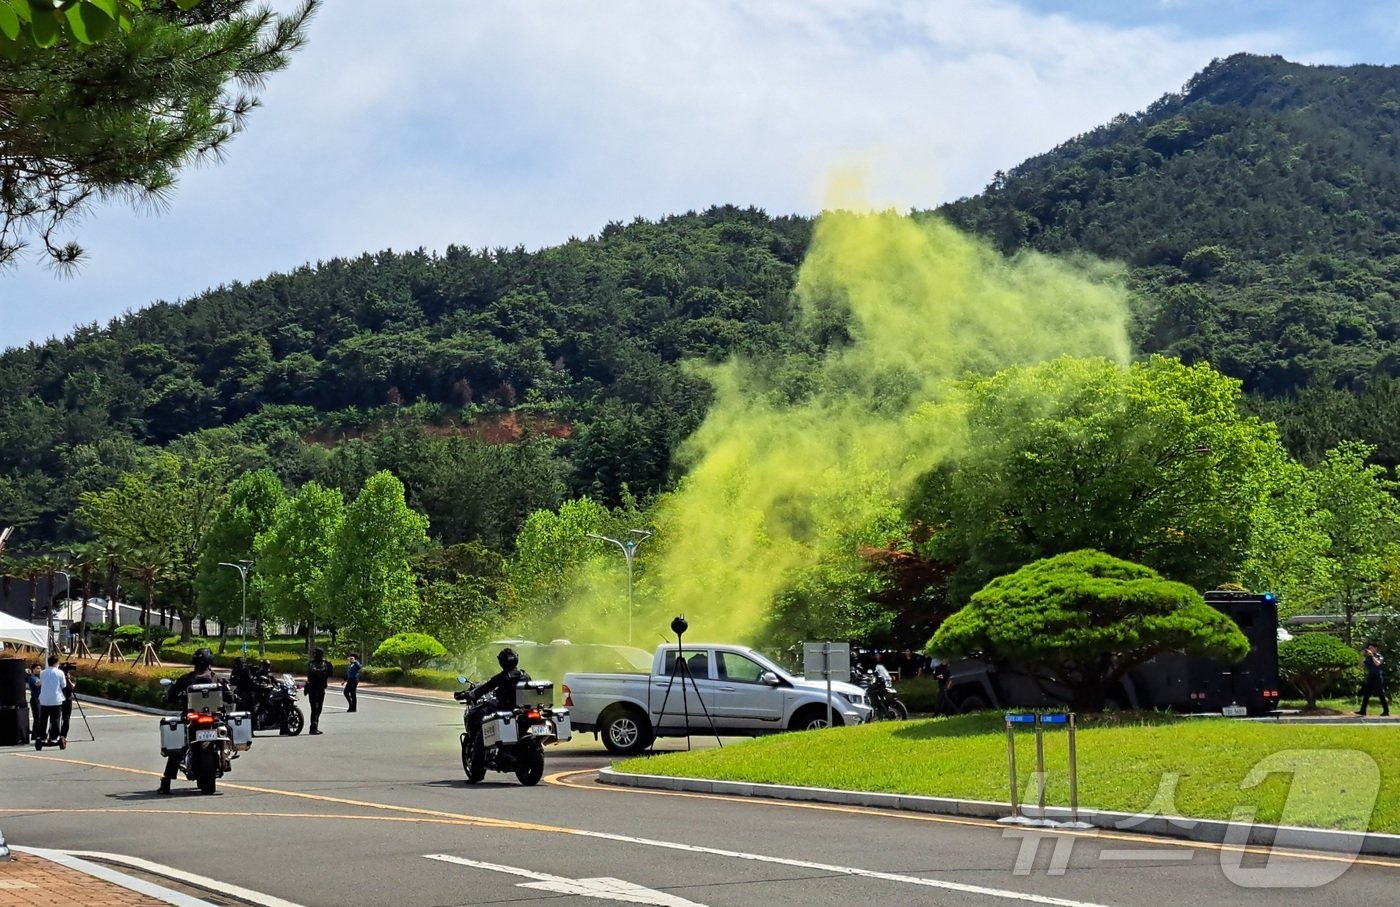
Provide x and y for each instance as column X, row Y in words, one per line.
column 376, row 812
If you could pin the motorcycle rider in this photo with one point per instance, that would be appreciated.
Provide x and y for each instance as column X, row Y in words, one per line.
column 502, row 684
column 318, row 675
column 203, row 672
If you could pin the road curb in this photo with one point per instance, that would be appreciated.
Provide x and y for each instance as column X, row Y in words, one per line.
column 1206, row 831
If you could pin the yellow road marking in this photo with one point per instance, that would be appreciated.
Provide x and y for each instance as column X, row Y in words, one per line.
column 412, row 820
column 561, row 779
column 558, row 779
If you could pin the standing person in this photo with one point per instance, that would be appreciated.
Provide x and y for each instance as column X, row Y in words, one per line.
column 1374, row 664
column 352, row 681
column 51, row 684
column 943, row 677
column 35, row 710
column 318, row 674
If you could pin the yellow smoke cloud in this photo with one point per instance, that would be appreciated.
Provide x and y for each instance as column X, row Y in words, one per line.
column 772, row 484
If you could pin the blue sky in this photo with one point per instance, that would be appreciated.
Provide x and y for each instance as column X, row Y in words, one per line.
column 502, row 123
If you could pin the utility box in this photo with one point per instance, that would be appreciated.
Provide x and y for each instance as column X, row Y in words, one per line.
column 534, row 694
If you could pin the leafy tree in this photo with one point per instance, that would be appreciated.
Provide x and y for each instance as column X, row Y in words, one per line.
column 1082, row 620
column 1360, row 518
column 1153, row 463
column 252, row 501
column 458, row 588
column 370, row 577
column 121, row 117
column 293, row 553
column 161, row 516
column 1315, row 663
column 37, row 23
column 408, row 650
column 550, row 553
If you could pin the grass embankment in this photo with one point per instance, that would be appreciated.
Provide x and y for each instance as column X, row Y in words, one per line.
column 1123, row 763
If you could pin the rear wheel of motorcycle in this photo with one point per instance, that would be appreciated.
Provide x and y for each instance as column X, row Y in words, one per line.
column 206, row 769
column 295, row 721
column 473, row 761
column 262, row 719
column 530, row 769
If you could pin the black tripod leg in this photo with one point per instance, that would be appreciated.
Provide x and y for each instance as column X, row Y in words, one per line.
column 704, row 710
column 83, row 713
column 661, row 715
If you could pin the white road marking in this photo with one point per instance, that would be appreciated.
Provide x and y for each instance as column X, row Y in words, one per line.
column 841, row 870
column 72, row 857
column 607, row 889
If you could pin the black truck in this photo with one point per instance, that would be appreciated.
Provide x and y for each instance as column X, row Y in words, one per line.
column 1170, row 681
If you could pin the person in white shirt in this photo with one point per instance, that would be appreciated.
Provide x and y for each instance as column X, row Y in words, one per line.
column 51, row 685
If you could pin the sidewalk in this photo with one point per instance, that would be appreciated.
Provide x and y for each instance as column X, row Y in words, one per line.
column 26, row 880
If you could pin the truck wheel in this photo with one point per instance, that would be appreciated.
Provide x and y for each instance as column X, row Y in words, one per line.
column 812, row 718
column 972, row 704
column 626, row 732
column 206, row 766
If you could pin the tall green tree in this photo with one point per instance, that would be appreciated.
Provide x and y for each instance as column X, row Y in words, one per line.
column 163, row 514
column 252, row 500
column 292, row 556
column 1361, row 520
column 370, row 577
column 551, row 553
column 1153, row 463
column 458, row 588
column 121, row 117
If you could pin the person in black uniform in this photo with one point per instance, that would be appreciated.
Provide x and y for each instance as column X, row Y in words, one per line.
column 943, row 676
column 502, row 684
column 318, row 674
column 1374, row 664
column 203, row 673
column 70, row 688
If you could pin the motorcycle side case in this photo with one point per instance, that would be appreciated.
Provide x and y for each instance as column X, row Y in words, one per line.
column 500, row 728
column 172, row 735
column 563, row 726
column 240, row 729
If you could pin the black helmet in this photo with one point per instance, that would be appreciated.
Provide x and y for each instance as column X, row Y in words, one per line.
column 202, row 659
column 317, row 653
column 507, row 659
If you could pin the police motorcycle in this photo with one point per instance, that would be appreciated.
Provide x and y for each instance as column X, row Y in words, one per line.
column 512, row 740
column 881, row 696
column 275, row 705
column 208, row 734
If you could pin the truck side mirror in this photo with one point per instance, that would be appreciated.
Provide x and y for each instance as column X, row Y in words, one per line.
column 769, row 678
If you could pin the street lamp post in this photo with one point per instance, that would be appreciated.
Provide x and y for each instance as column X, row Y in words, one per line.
column 242, row 568
column 67, row 591
column 629, row 548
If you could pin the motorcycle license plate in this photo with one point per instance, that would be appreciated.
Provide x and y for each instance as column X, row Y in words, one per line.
column 201, row 736
column 541, row 730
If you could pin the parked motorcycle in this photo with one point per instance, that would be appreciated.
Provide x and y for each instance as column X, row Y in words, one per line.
column 274, row 705
column 881, row 696
column 208, row 733
column 512, row 740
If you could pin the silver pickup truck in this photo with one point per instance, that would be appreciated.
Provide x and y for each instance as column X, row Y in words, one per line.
column 737, row 688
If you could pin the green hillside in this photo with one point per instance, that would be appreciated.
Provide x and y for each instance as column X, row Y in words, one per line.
column 1256, row 212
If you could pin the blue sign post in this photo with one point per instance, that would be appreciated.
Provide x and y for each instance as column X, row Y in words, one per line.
column 1040, row 722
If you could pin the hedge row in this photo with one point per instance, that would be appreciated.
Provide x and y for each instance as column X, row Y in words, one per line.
column 137, row 684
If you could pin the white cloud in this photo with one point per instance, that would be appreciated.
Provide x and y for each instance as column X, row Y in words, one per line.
column 500, row 123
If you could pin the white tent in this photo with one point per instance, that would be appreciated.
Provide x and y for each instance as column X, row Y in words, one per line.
column 14, row 630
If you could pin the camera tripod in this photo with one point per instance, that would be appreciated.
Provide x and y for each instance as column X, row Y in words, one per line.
column 682, row 669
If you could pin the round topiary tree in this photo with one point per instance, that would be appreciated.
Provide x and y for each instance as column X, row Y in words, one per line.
column 408, row 651
column 1315, row 663
column 1080, row 621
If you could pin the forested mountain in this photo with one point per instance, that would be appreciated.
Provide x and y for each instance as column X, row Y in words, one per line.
column 1258, row 213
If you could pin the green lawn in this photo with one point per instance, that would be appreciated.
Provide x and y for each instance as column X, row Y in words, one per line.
column 1122, row 765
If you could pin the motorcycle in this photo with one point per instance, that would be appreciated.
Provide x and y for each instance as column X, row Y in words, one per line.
column 512, row 740
column 207, row 733
column 881, row 696
column 274, row 705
